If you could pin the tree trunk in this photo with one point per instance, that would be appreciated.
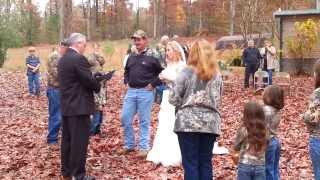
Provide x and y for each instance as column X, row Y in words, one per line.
column 88, row 24
column 29, row 31
column 97, row 12
column 65, row 18
column 155, row 18
column 232, row 15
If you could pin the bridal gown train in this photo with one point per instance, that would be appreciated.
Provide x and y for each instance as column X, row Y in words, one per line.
column 165, row 149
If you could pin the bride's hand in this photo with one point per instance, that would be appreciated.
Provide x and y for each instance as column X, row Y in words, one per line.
column 161, row 77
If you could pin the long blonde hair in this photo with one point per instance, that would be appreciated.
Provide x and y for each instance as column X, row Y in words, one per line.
column 202, row 59
column 176, row 51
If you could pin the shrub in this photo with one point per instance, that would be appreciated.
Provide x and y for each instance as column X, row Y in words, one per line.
column 300, row 45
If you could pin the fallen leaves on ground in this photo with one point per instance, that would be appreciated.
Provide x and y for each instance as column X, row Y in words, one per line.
column 24, row 153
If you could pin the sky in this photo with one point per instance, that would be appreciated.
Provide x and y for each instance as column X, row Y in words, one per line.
column 42, row 3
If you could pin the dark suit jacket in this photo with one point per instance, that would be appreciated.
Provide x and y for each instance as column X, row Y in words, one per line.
column 76, row 84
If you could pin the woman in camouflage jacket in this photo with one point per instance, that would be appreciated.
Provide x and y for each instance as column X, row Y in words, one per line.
column 96, row 60
column 196, row 94
column 312, row 120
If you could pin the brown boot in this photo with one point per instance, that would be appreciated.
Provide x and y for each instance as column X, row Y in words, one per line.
column 142, row 153
column 125, row 151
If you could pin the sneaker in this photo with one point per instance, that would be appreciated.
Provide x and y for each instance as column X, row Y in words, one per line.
column 142, row 153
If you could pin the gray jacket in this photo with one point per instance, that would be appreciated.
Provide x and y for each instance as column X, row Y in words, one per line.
column 197, row 103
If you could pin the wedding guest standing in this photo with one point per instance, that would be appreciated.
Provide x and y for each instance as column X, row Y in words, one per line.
column 312, row 120
column 33, row 66
column 77, row 85
column 251, row 59
column 196, row 94
column 141, row 77
column 53, row 94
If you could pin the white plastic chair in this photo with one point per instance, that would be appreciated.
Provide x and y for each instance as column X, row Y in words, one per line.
column 261, row 79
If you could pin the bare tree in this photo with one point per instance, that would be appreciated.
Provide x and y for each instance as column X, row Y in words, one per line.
column 65, row 18
column 232, row 15
column 155, row 18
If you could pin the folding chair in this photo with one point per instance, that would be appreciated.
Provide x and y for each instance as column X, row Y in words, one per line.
column 261, row 79
column 227, row 78
column 283, row 79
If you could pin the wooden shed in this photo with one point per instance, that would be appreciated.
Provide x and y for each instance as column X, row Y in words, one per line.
column 286, row 20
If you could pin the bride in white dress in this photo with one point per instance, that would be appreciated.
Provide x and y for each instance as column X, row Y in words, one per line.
column 165, row 149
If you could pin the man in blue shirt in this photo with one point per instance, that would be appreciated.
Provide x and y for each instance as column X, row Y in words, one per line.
column 33, row 65
column 251, row 59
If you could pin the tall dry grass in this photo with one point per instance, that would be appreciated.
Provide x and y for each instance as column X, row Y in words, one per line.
column 16, row 56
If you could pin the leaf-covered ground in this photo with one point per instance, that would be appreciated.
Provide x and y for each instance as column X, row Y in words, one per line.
column 24, row 153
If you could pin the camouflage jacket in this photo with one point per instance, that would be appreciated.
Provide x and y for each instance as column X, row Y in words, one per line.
column 197, row 103
column 52, row 66
column 161, row 49
column 311, row 116
column 241, row 144
column 97, row 61
column 272, row 119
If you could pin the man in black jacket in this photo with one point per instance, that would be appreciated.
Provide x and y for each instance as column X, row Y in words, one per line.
column 141, row 76
column 251, row 58
column 77, row 104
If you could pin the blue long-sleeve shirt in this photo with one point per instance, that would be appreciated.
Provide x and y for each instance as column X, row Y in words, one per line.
column 32, row 61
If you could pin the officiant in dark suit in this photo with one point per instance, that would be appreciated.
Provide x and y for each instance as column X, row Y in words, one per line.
column 77, row 85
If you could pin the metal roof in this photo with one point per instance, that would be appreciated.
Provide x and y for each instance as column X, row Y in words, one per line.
column 225, row 41
column 297, row 12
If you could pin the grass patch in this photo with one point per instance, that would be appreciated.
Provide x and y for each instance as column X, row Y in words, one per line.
column 113, row 51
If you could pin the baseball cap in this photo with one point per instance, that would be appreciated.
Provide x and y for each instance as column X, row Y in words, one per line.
column 64, row 42
column 139, row 34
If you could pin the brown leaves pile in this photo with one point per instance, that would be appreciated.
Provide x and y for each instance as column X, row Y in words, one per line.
column 24, row 153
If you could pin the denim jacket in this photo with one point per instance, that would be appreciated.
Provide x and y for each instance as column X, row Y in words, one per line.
column 196, row 102
column 311, row 116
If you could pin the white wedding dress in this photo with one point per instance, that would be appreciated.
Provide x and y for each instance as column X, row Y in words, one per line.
column 165, row 149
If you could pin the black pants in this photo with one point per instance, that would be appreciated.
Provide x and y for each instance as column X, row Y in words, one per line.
column 249, row 71
column 196, row 152
column 74, row 145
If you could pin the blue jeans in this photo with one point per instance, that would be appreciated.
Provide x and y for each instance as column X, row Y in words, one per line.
column 314, row 150
column 96, row 122
column 270, row 75
column 159, row 93
column 196, row 152
column 251, row 172
column 137, row 101
column 34, row 83
column 272, row 159
column 54, row 123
